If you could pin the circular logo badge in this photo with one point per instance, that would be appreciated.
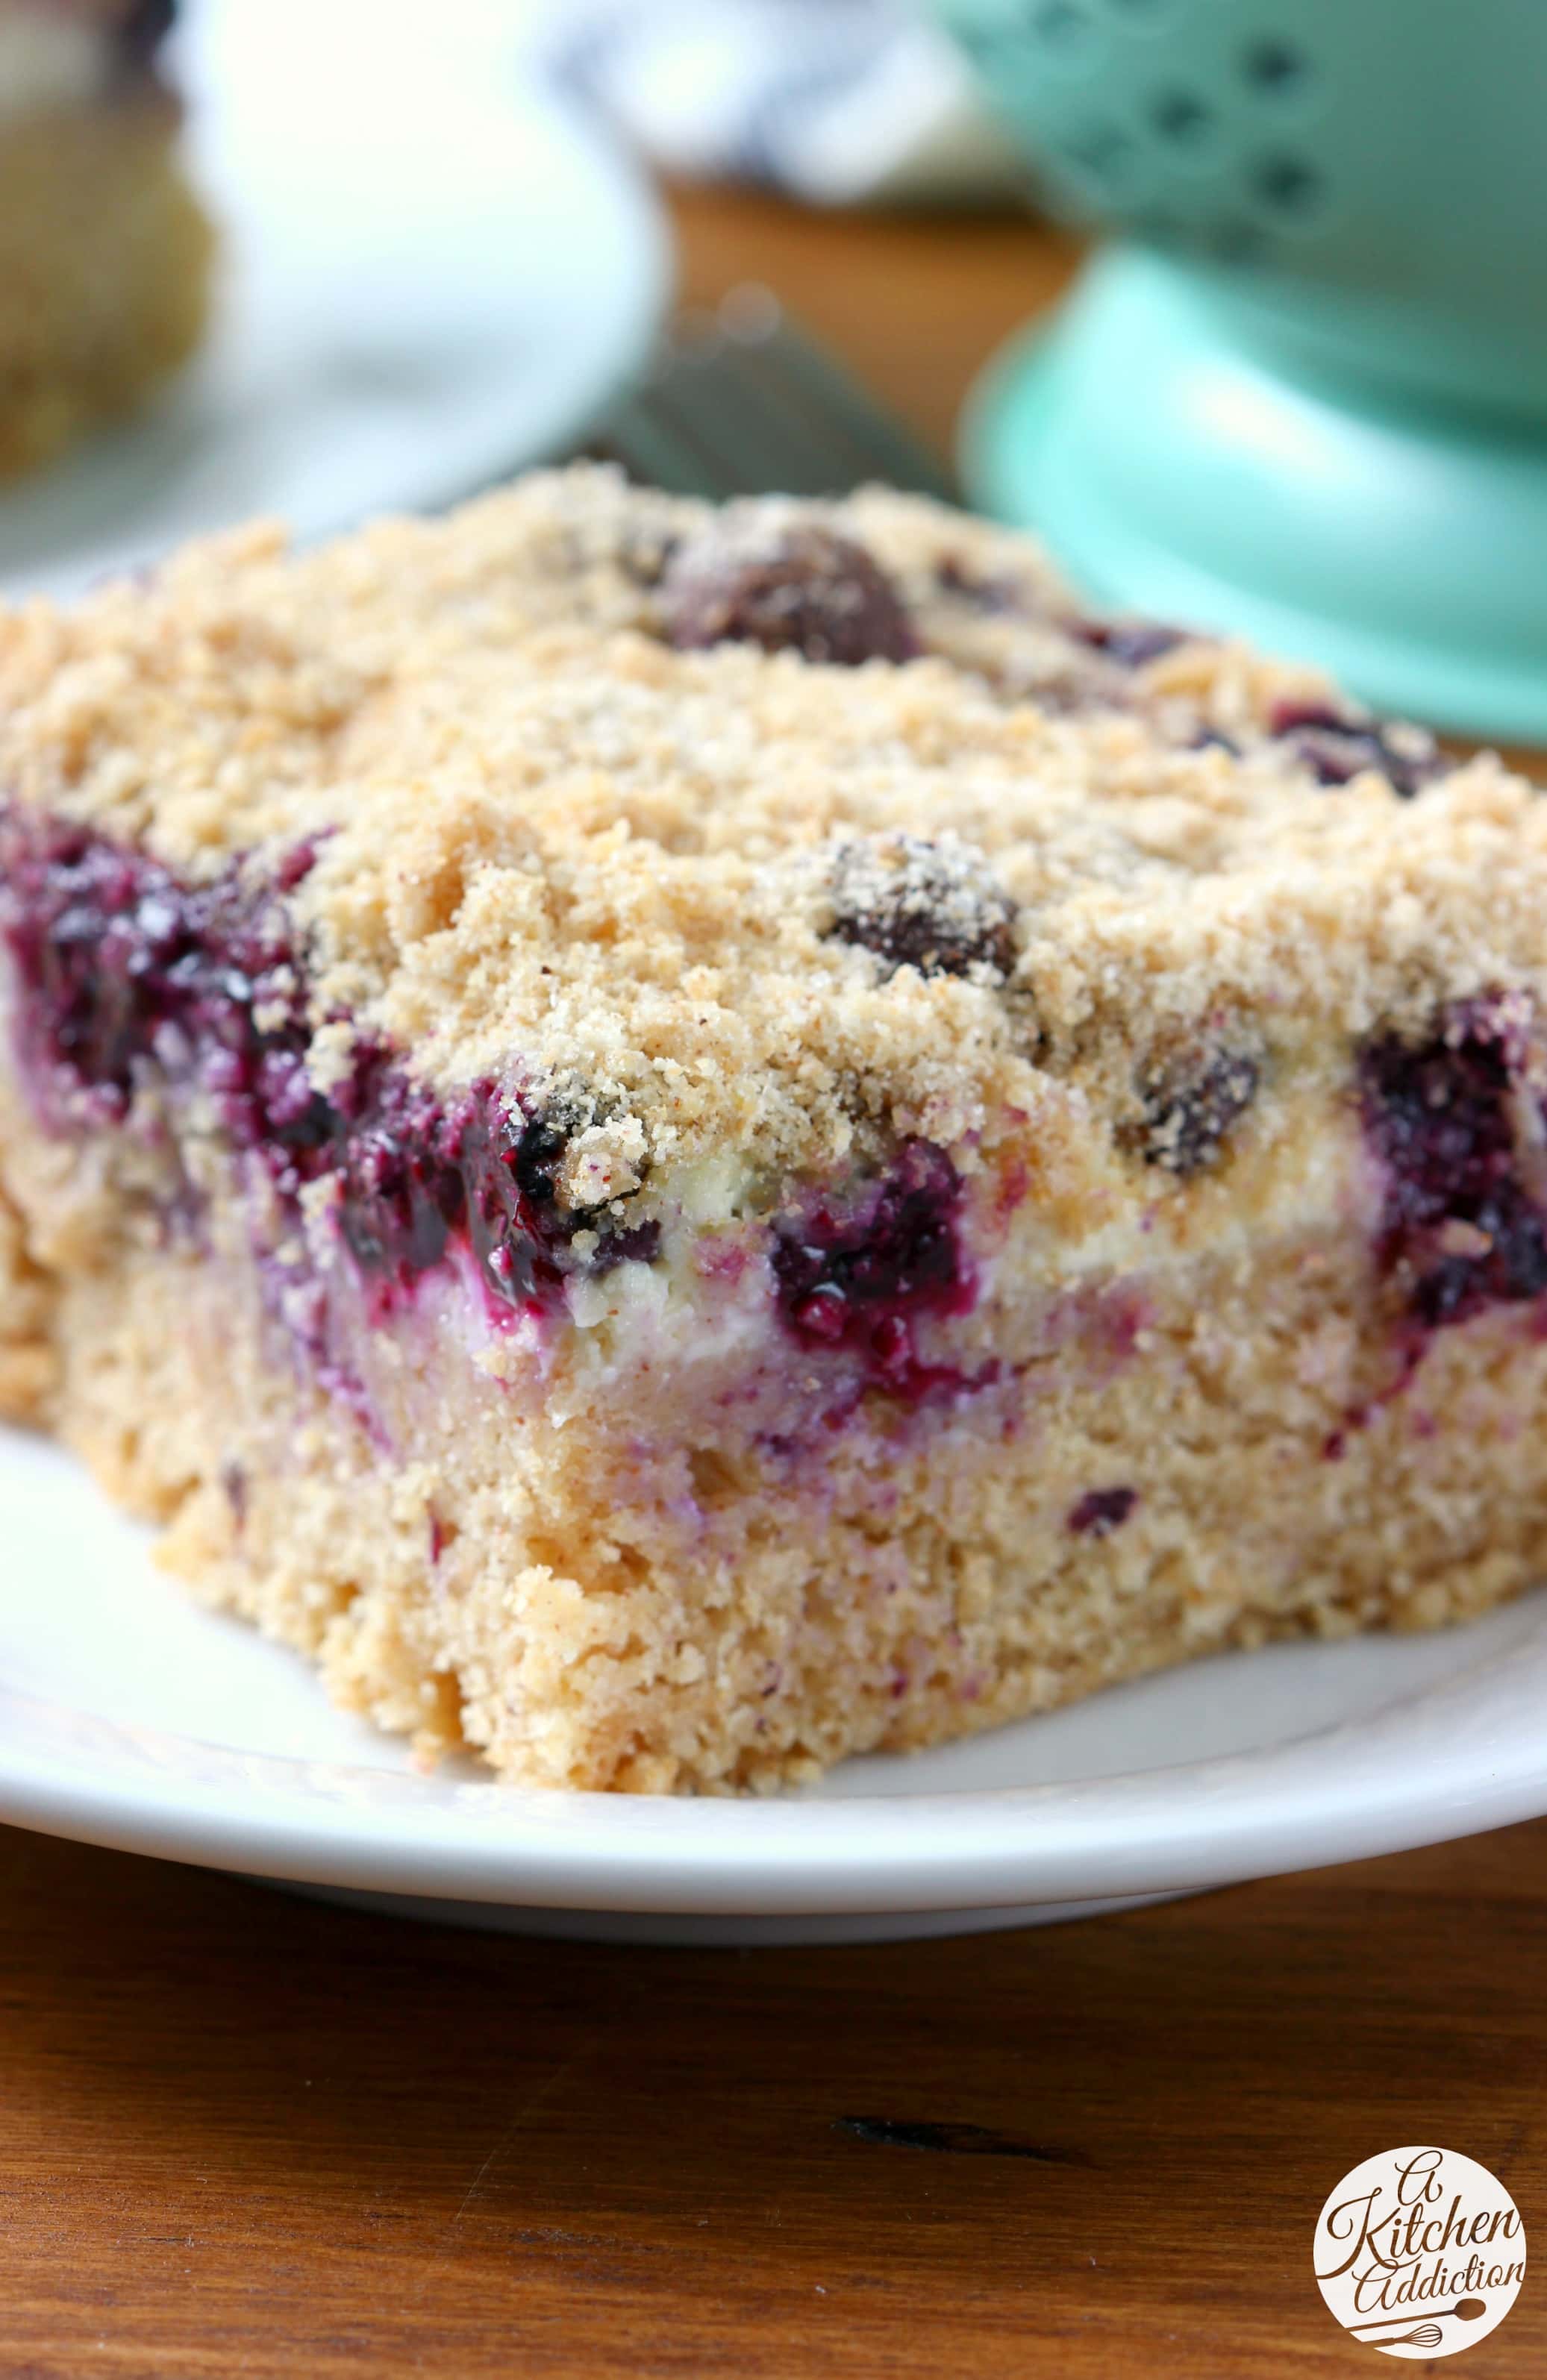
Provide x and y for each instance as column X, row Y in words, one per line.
column 1420, row 2252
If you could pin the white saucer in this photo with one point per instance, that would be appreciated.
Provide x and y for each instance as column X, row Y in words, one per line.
column 434, row 273
column 130, row 1717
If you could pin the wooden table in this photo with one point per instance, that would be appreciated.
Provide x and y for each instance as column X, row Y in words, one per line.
column 246, row 2134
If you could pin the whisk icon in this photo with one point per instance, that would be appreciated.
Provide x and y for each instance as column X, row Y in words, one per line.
column 1427, row 2333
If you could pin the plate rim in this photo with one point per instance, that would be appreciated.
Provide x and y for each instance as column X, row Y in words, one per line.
column 1352, row 1790
column 1177, row 1828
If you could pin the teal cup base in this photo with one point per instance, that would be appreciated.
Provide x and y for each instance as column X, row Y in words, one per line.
column 1183, row 458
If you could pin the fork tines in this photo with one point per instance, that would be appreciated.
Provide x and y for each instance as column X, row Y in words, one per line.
column 740, row 402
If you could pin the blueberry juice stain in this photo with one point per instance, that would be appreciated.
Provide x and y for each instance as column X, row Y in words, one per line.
column 129, row 980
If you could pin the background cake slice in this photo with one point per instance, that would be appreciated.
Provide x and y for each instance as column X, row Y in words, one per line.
column 683, row 1143
column 104, row 251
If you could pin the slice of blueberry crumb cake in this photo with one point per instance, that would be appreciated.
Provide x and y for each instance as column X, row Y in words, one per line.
column 686, row 1143
column 105, row 251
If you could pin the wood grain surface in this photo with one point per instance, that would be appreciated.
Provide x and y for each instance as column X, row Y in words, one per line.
column 245, row 2133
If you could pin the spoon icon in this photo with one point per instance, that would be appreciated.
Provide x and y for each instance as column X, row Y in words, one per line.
column 1465, row 2310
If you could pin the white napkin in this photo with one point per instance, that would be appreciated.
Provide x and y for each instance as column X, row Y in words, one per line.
column 839, row 101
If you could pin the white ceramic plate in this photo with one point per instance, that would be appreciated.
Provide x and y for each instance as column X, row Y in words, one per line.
column 433, row 274
column 129, row 1717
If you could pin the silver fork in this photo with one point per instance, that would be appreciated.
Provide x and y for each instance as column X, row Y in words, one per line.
column 740, row 402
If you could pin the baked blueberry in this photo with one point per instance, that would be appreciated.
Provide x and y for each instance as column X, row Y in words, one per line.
column 930, row 904
column 1455, row 1120
column 1191, row 1103
column 759, row 577
column 1338, row 747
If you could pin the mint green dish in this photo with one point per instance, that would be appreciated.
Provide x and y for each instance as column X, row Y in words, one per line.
column 1307, row 397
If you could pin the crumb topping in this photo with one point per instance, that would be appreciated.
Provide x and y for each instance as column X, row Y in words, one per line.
column 735, row 898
